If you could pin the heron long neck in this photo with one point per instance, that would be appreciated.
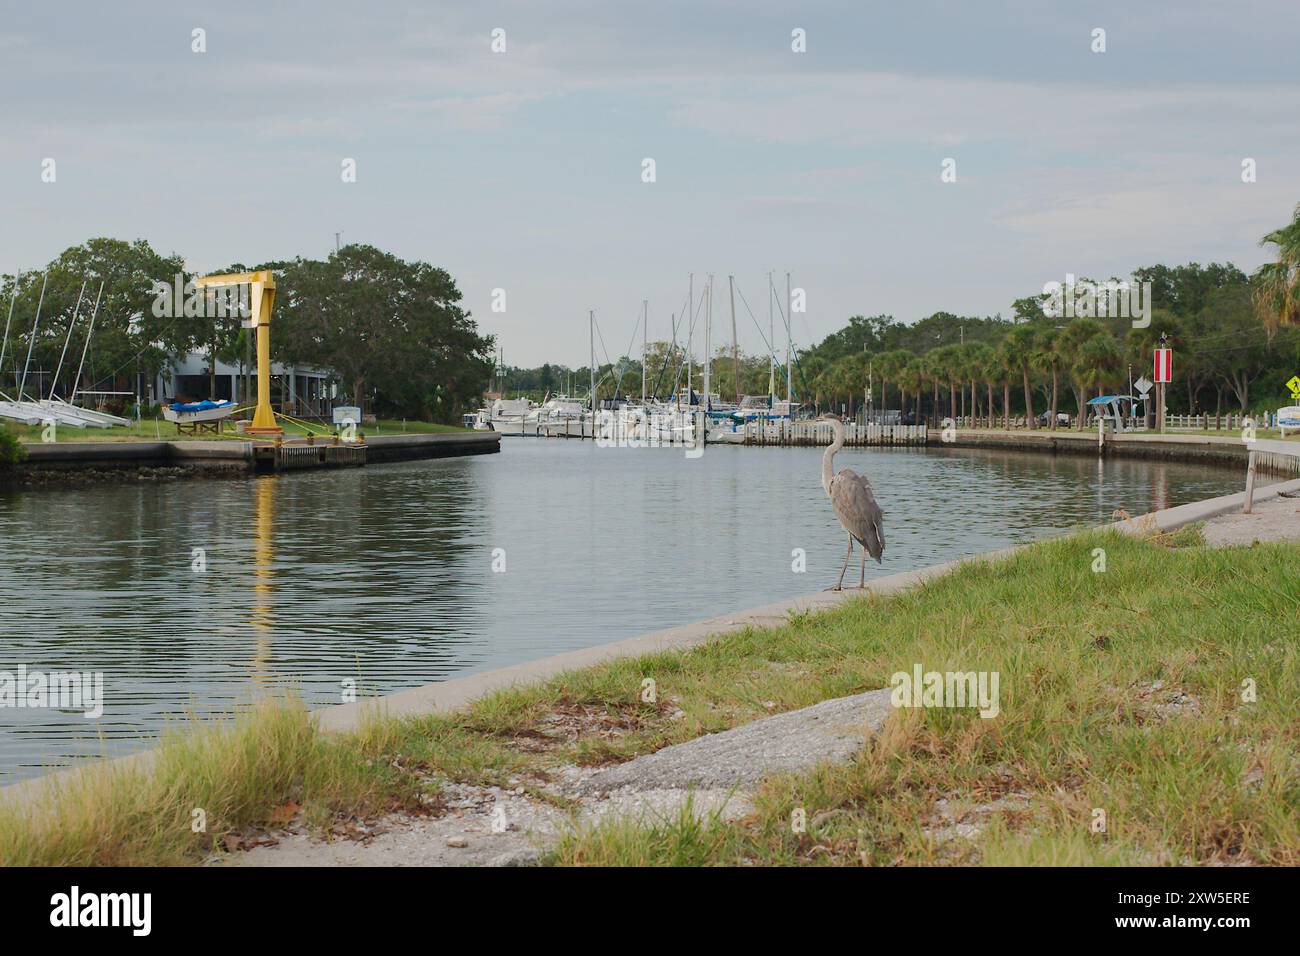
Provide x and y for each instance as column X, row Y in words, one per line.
column 828, row 459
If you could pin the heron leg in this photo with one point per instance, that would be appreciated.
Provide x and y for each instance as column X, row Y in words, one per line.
column 839, row 585
column 862, row 581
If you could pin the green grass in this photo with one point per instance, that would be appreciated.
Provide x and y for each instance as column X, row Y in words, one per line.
column 151, row 430
column 1083, row 726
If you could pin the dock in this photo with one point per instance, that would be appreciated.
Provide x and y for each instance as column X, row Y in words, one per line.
column 786, row 433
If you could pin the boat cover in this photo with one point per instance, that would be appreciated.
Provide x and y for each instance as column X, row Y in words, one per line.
column 206, row 405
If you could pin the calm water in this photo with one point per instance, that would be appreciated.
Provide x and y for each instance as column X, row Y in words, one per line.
column 385, row 574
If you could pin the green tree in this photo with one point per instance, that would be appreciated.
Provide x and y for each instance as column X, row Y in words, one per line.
column 983, row 365
column 1277, row 284
column 128, row 336
column 393, row 329
column 1018, row 346
column 947, row 362
column 1047, row 357
column 1245, row 354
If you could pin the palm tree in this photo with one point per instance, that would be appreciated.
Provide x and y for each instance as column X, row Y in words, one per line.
column 884, row 366
column 934, row 371
column 984, row 366
column 1019, row 344
column 1072, row 345
column 1047, row 356
column 1098, row 363
column 970, row 368
column 916, row 379
column 947, row 363
column 1007, row 365
column 1277, row 284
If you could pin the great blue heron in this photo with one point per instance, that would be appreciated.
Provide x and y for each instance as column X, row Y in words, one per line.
column 854, row 505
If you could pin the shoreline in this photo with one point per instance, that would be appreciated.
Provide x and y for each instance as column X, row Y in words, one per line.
column 457, row 692
column 61, row 464
column 1274, row 456
column 70, row 464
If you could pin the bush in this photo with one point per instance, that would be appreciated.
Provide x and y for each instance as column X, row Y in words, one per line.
column 11, row 449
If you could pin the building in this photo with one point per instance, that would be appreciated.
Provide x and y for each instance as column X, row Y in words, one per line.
column 300, row 390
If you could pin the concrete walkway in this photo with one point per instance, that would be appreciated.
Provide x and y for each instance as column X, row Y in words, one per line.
column 491, row 826
column 1277, row 519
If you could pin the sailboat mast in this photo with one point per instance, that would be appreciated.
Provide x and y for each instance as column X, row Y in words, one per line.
column 76, row 382
column 735, row 348
column 690, row 340
column 789, row 320
column 32, row 341
column 71, row 325
column 4, row 343
column 771, row 342
column 645, row 343
column 708, row 343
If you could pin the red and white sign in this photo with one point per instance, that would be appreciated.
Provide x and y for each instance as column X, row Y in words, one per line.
column 1164, row 365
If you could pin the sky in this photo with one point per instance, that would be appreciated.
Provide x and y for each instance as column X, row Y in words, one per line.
column 523, row 169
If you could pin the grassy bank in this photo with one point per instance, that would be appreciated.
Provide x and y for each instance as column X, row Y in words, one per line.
column 1120, row 691
column 158, row 430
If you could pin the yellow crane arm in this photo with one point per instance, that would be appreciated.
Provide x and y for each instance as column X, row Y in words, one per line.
column 261, row 301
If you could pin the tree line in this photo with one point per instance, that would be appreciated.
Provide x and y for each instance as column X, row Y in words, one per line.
column 1236, row 343
column 393, row 331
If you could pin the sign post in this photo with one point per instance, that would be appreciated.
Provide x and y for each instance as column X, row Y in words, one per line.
column 1164, row 368
column 1143, row 389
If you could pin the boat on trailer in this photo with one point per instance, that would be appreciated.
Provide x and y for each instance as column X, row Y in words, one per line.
column 198, row 412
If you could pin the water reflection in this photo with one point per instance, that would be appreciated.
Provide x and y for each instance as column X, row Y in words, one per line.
column 384, row 574
column 260, row 618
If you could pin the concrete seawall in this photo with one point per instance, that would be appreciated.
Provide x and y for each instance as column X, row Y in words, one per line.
column 382, row 448
column 233, row 456
column 1274, row 457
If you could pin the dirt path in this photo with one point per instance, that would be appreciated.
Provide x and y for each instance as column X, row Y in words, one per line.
column 491, row 826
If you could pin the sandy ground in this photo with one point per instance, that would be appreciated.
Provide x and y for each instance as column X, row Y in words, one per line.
column 491, row 826
column 1274, row 520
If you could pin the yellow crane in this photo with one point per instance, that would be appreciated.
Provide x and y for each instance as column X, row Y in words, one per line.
column 261, row 299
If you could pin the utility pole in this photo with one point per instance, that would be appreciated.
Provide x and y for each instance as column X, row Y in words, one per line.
column 1130, row 393
column 871, row 384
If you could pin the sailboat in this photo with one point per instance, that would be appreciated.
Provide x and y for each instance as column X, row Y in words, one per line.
column 38, row 411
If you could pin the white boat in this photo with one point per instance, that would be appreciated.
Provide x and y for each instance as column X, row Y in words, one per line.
column 24, row 412
column 37, row 413
column 514, row 416
column 727, row 433
column 181, row 414
column 92, row 418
